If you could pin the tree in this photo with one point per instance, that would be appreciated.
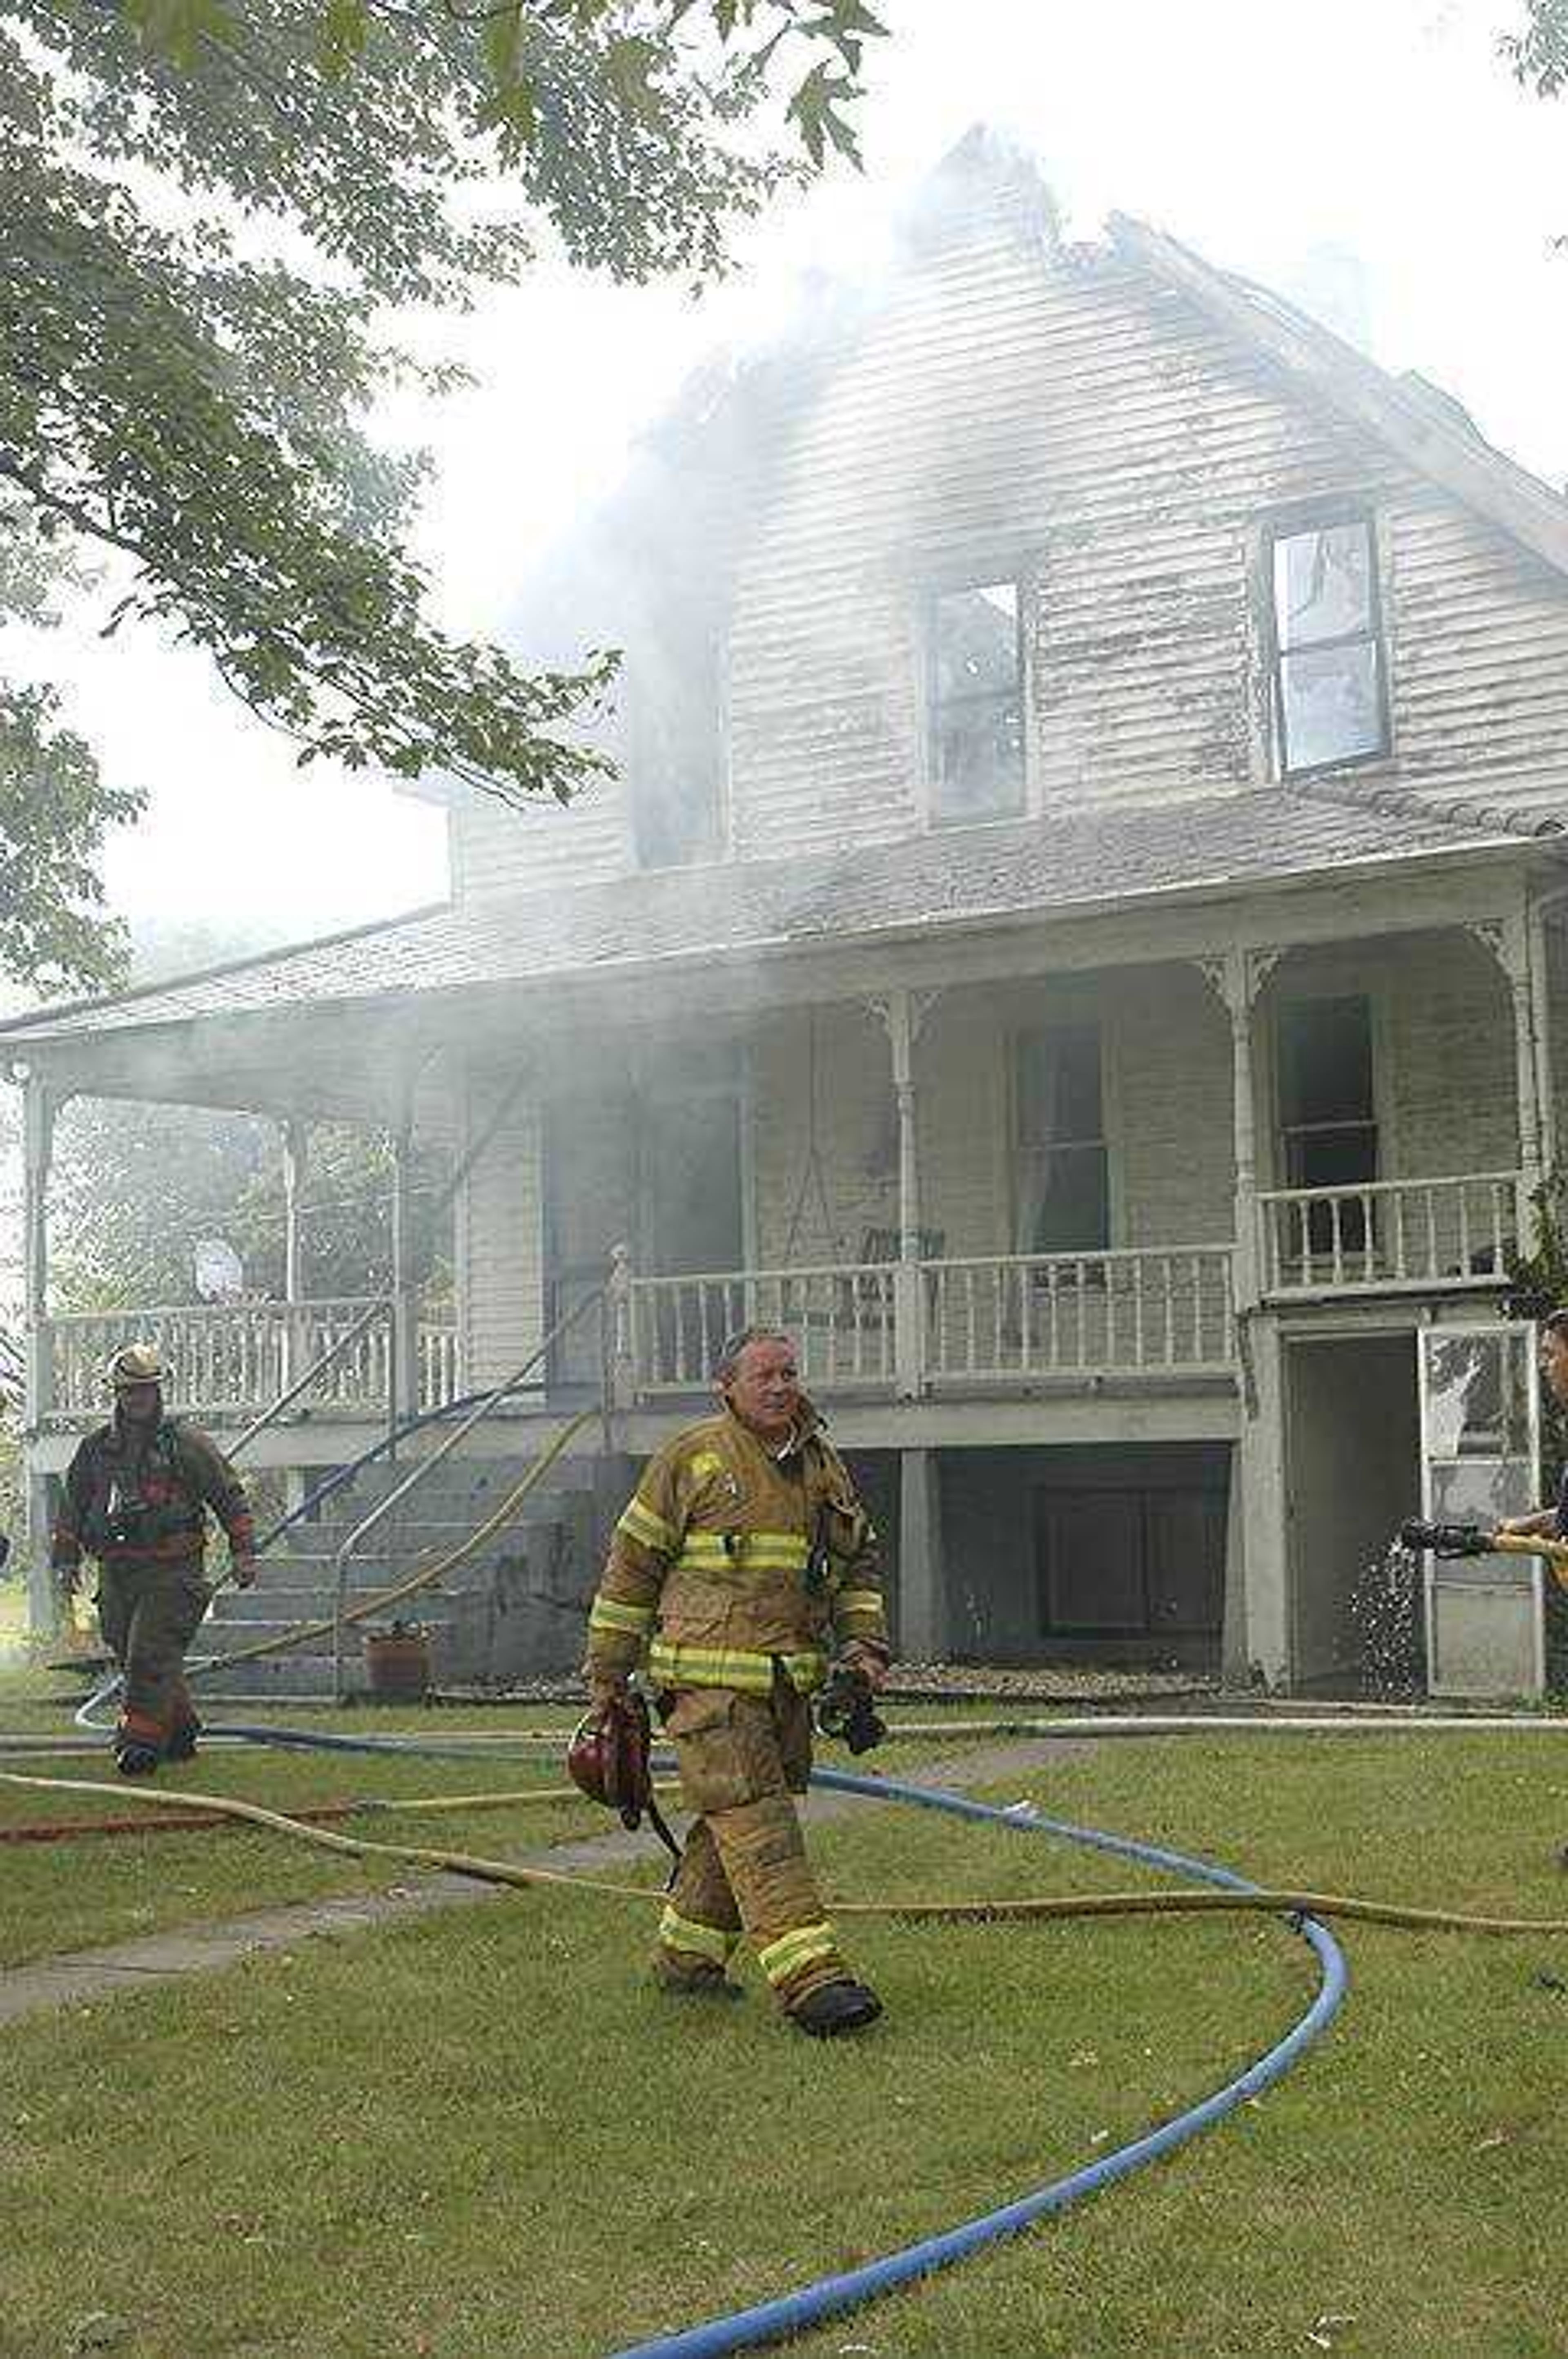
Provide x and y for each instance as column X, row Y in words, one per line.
column 1539, row 54
column 139, row 1187
column 182, row 404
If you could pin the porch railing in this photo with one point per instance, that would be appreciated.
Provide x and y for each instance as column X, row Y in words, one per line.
column 1013, row 1315
column 234, row 1359
column 1379, row 1235
column 1020, row 1315
column 842, row 1318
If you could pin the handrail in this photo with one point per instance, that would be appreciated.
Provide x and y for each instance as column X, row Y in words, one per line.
column 1388, row 1187
column 200, row 1312
column 424, row 1466
column 378, row 1309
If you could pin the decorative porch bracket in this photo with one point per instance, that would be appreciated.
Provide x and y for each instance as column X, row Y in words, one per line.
column 1508, row 941
column 902, row 1013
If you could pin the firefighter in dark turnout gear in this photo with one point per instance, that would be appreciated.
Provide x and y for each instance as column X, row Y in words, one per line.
column 742, row 1561
column 137, row 1497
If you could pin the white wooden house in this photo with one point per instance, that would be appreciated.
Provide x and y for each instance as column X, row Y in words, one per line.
column 1074, row 937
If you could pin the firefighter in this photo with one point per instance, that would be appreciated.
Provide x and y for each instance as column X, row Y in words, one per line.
column 743, row 1557
column 137, row 1497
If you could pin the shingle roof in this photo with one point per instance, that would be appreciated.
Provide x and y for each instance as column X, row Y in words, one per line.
column 1075, row 861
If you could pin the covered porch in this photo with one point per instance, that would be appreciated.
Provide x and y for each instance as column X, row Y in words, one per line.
column 1033, row 1185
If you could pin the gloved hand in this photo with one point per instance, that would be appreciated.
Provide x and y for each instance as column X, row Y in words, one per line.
column 868, row 1663
column 243, row 1571
column 606, row 1688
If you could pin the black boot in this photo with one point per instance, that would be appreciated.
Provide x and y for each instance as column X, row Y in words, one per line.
column 181, row 1746
column 135, row 1760
column 836, row 2008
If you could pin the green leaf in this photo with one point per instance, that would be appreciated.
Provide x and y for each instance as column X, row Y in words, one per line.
column 345, row 29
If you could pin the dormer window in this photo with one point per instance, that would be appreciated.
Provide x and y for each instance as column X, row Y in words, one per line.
column 1331, row 701
column 977, row 703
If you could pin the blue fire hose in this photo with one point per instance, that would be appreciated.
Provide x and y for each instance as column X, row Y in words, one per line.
column 792, row 2313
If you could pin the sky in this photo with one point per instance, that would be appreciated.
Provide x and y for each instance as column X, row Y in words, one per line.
column 1369, row 153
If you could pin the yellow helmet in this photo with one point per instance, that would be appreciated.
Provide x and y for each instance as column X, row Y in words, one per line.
column 136, row 1364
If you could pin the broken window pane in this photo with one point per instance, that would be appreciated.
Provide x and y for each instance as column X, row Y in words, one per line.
column 1328, row 665
column 1323, row 584
column 977, row 702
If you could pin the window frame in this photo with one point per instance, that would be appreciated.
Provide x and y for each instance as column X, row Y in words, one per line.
column 637, row 701
column 1013, row 577
column 1020, row 1150
column 1296, row 1003
column 1295, row 524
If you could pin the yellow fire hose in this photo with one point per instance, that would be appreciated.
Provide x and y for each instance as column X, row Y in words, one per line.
column 909, row 1911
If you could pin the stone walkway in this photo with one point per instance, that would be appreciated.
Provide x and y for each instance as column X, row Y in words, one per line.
column 79, row 1977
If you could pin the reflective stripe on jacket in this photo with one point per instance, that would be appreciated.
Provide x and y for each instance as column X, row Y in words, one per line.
column 728, row 1560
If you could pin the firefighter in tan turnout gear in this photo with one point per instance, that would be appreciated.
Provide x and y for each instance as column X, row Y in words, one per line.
column 137, row 1497
column 743, row 1560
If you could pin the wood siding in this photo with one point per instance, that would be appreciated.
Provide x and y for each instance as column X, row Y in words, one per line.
column 1075, row 419
column 499, row 1241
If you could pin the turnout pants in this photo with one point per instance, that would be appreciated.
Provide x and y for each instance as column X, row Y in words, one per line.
column 149, row 1615
column 743, row 1759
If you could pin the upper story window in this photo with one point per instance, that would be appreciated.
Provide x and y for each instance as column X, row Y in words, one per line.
column 1064, row 1174
column 1331, row 700
column 977, row 703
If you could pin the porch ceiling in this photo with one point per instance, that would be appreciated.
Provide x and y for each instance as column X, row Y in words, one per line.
column 327, row 1027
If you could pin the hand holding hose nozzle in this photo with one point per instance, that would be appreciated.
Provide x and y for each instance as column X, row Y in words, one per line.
column 1476, row 1540
column 1448, row 1539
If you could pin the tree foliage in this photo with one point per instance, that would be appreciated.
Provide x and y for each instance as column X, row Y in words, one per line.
column 139, row 1187
column 1539, row 54
column 207, row 208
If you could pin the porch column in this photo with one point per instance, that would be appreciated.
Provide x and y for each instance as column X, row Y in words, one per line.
column 404, row 1298
column 1517, row 968
column 903, row 1013
column 1540, row 1026
column 39, row 1108
column 296, row 1140
column 1508, row 940
column 1237, row 977
column 922, row 1574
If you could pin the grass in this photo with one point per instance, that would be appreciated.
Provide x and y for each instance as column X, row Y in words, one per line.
column 480, row 2136
column 90, row 1893
column 13, row 1620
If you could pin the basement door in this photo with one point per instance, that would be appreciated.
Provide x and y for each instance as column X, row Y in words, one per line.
column 1480, row 1430
column 1134, row 1571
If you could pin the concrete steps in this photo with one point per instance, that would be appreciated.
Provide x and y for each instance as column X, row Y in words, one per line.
column 515, row 1610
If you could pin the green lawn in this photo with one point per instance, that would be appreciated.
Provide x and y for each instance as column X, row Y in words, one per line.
column 480, row 2136
column 68, row 1895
